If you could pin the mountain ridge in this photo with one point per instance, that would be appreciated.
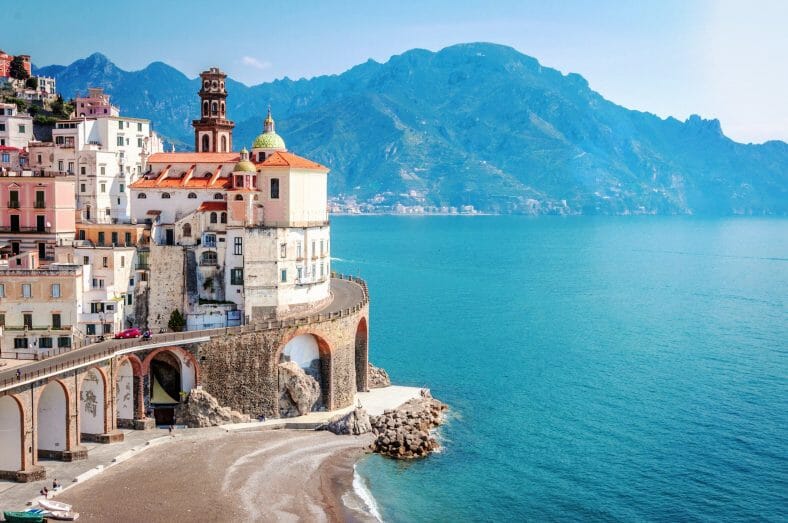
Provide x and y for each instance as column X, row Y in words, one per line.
column 472, row 124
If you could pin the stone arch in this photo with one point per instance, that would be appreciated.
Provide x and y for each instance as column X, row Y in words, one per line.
column 326, row 366
column 169, row 372
column 52, row 414
column 92, row 402
column 361, row 355
column 12, row 450
column 128, row 401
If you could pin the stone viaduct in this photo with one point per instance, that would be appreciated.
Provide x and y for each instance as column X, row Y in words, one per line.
column 48, row 408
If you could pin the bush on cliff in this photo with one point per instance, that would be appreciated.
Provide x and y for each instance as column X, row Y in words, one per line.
column 177, row 321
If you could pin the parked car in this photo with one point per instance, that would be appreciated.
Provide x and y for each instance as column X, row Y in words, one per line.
column 133, row 332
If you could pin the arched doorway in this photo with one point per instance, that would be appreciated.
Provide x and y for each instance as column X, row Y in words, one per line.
column 362, row 355
column 172, row 374
column 11, row 417
column 52, row 419
column 313, row 356
column 91, row 404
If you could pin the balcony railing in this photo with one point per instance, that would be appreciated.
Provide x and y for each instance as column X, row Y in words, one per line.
column 143, row 267
column 40, row 204
column 13, row 204
column 40, row 230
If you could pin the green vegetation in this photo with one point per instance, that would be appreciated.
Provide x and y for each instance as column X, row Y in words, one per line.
column 177, row 321
column 18, row 69
column 32, row 83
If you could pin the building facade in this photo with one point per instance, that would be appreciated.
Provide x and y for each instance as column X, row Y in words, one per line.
column 16, row 130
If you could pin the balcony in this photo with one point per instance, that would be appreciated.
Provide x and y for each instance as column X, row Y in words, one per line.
column 142, row 267
column 37, row 230
column 40, row 204
column 13, row 204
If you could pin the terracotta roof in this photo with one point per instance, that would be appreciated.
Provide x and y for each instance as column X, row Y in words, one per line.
column 8, row 148
column 178, row 183
column 194, row 158
column 285, row 159
column 153, row 212
column 212, row 206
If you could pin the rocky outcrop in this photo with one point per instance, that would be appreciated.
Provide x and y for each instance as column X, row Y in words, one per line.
column 202, row 410
column 405, row 433
column 298, row 391
column 377, row 378
column 353, row 423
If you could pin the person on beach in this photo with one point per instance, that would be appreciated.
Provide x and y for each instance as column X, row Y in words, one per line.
column 56, row 485
column 44, row 492
column 171, row 427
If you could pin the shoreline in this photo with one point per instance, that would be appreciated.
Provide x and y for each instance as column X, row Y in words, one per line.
column 241, row 476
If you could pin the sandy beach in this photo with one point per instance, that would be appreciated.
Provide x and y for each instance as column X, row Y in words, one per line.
column 281, row 475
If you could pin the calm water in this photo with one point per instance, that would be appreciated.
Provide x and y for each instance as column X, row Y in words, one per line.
column 598, row 369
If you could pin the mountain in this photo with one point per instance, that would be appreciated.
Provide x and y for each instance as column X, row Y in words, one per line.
column 473, row 124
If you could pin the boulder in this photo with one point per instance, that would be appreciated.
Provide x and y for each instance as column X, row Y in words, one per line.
column 354, row 423
column 377, row 378
column 203, row 410
column 298, row 393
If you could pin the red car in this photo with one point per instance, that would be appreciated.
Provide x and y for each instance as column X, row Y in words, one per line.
column 133, row 332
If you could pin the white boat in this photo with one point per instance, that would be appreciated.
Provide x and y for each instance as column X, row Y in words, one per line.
column 52, row 505
column 62, row 515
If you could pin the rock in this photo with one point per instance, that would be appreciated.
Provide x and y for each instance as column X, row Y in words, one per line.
column 298, row 392
column 404, row 433
column 377, row 378
column 354, row 423
column 202, row 410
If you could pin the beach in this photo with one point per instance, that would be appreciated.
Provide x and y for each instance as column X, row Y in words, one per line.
column 281, row 475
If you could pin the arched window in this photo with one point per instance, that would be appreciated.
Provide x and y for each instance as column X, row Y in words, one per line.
column 192, row 196
column 261, row 157
column 238, row 197
column 218, row 196
column 207, row 175
column 142, row 196
column 206, row 84
column 224, row 144
column 206, row 143
column 187, row 230
column 214, row 107
column 213, row 217
column 222, row 108
column 205, row 108
column 208, row 258
column 224, row 217
column 165, row 196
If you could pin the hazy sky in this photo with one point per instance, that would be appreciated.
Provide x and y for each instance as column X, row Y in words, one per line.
column 717, row 58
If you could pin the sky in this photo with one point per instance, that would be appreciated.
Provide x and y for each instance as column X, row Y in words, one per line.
column 717, row 58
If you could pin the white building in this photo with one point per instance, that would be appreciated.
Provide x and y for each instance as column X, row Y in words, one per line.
column 15, row 130
column 106, row 153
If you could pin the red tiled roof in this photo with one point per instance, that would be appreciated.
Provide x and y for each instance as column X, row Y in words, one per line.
column 212, row 206
column 8, row 148
column 285, row 159
column 194, row 158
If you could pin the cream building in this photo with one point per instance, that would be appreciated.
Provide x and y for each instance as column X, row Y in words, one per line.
column 16, row 130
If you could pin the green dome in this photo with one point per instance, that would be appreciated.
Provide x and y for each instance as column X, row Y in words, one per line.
column 269, row 140
column 244, row 166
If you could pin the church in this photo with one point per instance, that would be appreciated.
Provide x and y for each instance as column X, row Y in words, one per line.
column 236, row 237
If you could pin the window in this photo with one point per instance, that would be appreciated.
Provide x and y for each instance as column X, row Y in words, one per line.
column 20, row 343
column 127, row 237
column 120, row 124
column 45, row 343
column 139, row 129
column 209, row 240
column 115, row 239
column 128, row 299
column 237, row 276
column 139, row 142
column 2, row 290
column 213, row 217
column 122, row 188
column 2, row 319
column 27, row 320
column 187, row 230
column 103, row 187
column 283, row 275
column 22, row 129
column 141, row 196
column 192, row 196
column 300, row 273
column 82, row 187
column 110, row 307
column 105, row 262
column 103, row 169
column 224, row 217
column 165, row 196
column 298, row 250
column 274, row 188
column 96, row 307
column 239, row 198
column 6, row 157
column 322, row 247
column 101, row 239
column 56, row 321
column 238, row 245
column 208, row 258
column 63, row 342
column 60, row 165
column 85, row 260
column 218, row 196
column 283, row 250
column 27, row 290
column 120, row 141
column 56, row 290
column 122, row 261
column 90, row 329
column 322, row 268
column 98, row 283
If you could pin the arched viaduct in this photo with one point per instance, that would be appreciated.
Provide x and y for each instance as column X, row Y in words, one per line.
column 52, row 406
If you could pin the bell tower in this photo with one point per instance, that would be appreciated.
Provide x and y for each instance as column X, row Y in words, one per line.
column 213, row 132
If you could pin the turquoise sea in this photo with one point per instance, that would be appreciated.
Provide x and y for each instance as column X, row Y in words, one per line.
column 616, row 369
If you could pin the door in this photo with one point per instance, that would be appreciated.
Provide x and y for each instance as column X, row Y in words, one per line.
column 41, row 223
column 14, row 223
column 42, row 251
column 170, row 237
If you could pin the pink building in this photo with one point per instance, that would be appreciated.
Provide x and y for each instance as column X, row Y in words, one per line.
column 5, row 63
column 37, row 212
column 96, row 103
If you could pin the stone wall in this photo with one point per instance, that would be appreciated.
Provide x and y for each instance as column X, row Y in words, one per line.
column 241, row 371
column 165, row 285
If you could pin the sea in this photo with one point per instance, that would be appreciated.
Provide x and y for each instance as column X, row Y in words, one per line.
column 596, row 368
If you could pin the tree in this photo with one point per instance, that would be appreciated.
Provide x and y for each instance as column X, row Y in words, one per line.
column 177, row 321
column 32, row 83
column 18, row 70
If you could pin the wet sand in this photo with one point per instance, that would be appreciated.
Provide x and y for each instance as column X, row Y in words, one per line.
column 244, row 476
